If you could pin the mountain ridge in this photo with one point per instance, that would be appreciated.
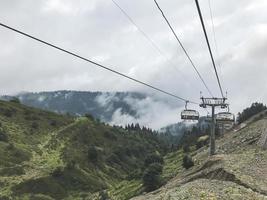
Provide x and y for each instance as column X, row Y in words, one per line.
column 119, row 108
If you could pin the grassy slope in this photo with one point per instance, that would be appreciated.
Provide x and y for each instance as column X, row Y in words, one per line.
column 238, row 171
column 26, row 128
column 45, row 156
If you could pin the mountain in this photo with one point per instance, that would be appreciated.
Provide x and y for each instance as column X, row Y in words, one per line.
column 118, row 108
column 237, row 171
column 100, row 105
column 45, row 155
column 49, row 156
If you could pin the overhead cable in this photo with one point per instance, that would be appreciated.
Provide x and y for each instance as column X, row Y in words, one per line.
column 182, row 46
column 214, row 38
column 95, row 63
column 156, row 47
column 207, row 40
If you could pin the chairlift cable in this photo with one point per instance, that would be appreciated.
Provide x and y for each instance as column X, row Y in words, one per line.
column 215, row 41
column 156, row 47
column 210, row 52
column 183, row 48
column 95, row 63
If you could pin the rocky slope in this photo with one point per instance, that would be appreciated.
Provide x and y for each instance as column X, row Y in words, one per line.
column 237, row 171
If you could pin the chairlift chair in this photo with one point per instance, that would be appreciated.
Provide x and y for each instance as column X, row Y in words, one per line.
column 225, row 116
column 188, row 114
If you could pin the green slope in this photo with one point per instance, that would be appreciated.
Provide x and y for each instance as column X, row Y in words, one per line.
column 48, row 156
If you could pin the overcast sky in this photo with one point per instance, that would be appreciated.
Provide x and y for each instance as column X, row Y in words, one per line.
column 98, row 30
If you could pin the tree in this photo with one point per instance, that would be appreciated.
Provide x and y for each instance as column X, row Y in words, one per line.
column 3, row 136
column 57, row 172
column 89, row 116
column 153, row 158
column 186, row 148
column 15, row 100
column 202, row 141
column 250, row 111
column 92, row 154
column 35, row 125
column 187, row 161
column 103, row 195
column 151, row 177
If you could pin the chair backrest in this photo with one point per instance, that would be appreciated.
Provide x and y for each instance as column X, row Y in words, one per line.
column 189, row 115
column 225, row 117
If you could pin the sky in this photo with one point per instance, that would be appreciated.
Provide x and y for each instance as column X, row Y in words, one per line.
column 98, row 30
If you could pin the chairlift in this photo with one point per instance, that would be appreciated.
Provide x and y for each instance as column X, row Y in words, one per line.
column 188, row 114
column 225, row 116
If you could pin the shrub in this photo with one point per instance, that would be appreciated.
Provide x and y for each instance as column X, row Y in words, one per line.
column 187, row 161
column 113, row 159
column 151, row 177
column 135, row 174
column 8, row 113
column 53, row 123
column 202, row 141
column 10, row 147
column 15, row 100
column 3, row 136
column 92, row 154
column 11, row 171
column 71, row 164
column 57, row 172
column 35, row 125
column 186, row 148
column 153, row 158
column 110, row 135
column 103, row 195
column 89, row 116
column 120, row 151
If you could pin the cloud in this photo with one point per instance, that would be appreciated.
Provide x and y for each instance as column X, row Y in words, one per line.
column 98, row 30
column 68, row 7
column 151, row 111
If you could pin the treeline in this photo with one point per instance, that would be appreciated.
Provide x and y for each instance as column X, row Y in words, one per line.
column 137, row 127
column 250, row 111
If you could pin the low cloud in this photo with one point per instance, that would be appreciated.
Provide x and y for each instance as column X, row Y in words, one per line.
column 98, row 30
column 150, row 110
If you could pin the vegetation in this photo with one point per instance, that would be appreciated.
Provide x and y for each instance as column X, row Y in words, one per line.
column 151, row 178
column 14, row 100
column 79, row 102
column 3, row 135
column 202, row 141
column 187, row 161
column 250, row 111
column 93, row 155
column 49, row 156
column 153, row 158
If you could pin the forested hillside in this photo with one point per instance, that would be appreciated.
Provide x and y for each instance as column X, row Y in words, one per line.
column 49, row 156
column 101, row 105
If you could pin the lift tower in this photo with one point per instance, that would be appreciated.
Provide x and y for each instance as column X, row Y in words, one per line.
column 213, row 103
